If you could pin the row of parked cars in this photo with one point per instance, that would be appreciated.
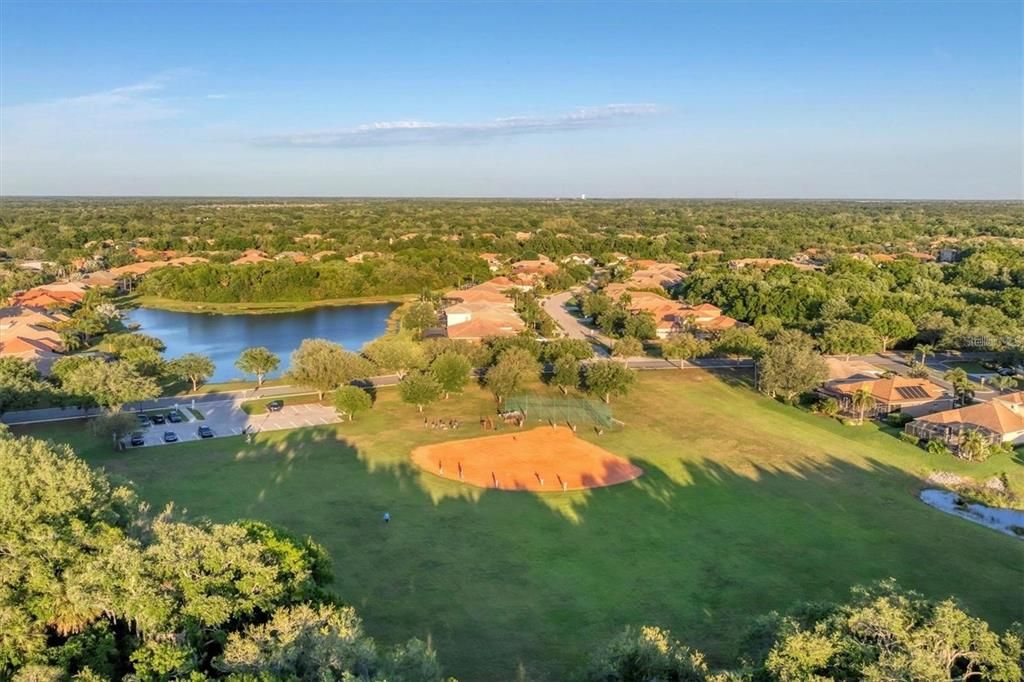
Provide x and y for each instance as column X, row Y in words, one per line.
column 174, row 417
column 138, row 438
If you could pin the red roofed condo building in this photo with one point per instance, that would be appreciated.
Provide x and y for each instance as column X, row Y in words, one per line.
column 475, row 313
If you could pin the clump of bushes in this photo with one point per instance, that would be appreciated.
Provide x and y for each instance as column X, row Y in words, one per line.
column 899, row 418
column 828, row 407
column 909, row 438
column 939, row 449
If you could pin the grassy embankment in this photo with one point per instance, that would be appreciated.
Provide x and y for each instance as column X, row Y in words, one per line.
column 746, row 505
column 261, row 308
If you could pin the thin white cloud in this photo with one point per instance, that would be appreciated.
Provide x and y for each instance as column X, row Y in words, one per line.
column 107, row 110
column 404, row 133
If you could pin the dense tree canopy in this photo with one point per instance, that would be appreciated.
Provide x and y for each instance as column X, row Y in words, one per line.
column 882, row 633
column 95, row 586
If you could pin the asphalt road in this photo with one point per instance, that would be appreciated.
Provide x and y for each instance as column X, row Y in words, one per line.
column 554, row 305
column 202, row 401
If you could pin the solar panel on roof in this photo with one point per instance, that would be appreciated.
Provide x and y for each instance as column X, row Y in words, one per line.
column 911, row 392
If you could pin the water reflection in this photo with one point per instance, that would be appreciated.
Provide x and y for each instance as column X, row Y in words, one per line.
column 223, row 337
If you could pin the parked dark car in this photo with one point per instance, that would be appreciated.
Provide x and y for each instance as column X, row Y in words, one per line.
column 143, row 420
column 158, row 419
column 174, row 417
column 138, row 439
column 275, row 405
column 205, row 432
column 170, row 437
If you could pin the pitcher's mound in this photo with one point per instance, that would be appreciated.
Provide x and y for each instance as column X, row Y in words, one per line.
column 542, row 459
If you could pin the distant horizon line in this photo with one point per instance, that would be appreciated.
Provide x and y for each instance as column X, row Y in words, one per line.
column 580, row 199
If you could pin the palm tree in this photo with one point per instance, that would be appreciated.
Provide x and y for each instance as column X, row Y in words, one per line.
column 1001, row 383
column 961, row 383
column 973, row 446
column 925, row 350
column 862, row 401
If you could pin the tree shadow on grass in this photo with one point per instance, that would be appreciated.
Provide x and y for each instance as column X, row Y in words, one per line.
column 498, row 579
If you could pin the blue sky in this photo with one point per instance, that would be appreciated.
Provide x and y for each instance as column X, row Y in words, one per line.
column 820, row 99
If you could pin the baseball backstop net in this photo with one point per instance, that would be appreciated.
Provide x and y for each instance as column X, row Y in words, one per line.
column 564, row 410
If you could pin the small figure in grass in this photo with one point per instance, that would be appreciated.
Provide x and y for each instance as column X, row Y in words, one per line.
column 387, row 517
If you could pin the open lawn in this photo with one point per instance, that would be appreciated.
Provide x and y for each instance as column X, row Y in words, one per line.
column 745, row 505
column 971, row 367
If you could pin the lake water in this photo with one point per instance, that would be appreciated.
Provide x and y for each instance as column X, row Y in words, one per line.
column 224, row 337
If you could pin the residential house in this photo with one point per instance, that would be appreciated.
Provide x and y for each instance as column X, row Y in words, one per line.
column 475, row 313
column 535, row 269
column 674, row 317
column 579, row 259
column 1000, row 420
column 913, row 396
column 763, row 263
column 493, row 261
column 250, row 256
column 361, row 256
column 654, row 275
column 28, row 334
column 50, row 295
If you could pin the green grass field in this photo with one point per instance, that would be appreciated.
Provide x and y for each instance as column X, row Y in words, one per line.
column 746, row 505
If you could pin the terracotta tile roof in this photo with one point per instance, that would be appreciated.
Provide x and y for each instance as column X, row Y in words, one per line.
column 893, row 390
column 1003, row 415
column 20, row 345
column 250, row 256
column 535, row 267
column 187, row 260
column 100, row 278
column 487, row 292
column 670, row 314
column 479, row 328
column 33, row 316
column 43, row 298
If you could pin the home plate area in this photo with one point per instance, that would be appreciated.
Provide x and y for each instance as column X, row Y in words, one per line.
column 541, row 460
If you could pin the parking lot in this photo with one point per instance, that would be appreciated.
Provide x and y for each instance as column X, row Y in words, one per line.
column 228, row 419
